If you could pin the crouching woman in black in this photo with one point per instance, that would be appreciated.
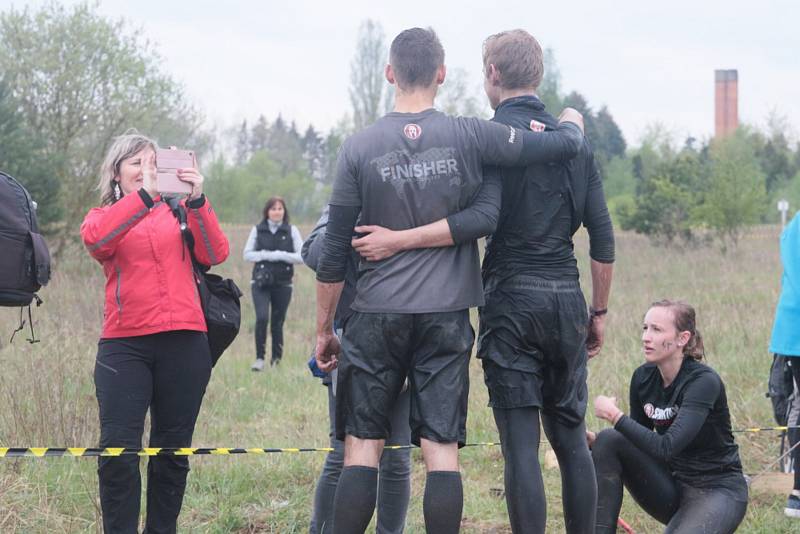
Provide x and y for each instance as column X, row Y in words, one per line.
column 274, row 246
column 687, row 474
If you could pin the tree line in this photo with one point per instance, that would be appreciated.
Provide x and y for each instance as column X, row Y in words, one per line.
column 71, row 80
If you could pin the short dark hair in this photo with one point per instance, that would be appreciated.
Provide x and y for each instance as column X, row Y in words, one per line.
column 275, row 200
column 415, row 55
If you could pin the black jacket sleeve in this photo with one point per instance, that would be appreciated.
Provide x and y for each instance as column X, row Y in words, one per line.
column 698, row 400
column 637, row 412
column 538, row 148
column 332, row 265
column 596, row 218
column 480, row 217
column 312, row 246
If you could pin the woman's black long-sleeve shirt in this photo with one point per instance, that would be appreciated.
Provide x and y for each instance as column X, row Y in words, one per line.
column 691, row 421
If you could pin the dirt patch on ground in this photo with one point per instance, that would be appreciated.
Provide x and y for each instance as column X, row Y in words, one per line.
column 780, row 483
column 472, row 525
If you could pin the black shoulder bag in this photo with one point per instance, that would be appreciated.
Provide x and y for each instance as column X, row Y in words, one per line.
column 219, row 296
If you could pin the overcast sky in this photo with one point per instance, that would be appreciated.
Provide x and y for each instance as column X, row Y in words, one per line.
column 647, row 62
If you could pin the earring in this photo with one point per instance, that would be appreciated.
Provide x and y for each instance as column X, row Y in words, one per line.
column 117, row 192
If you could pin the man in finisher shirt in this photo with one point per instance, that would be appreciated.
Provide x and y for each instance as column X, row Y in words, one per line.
column 533, row 327
column 415, row 168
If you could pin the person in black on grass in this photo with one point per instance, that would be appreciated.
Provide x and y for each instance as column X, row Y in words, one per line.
column 394, row 485
column 534, row 327
column 415, row 167
column 476, row 220
column 687, row 474
column 274, row 246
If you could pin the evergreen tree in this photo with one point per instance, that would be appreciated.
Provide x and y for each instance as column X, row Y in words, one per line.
column 242, row 144
column 259, row 135
column 313, row 152
column 549, row 91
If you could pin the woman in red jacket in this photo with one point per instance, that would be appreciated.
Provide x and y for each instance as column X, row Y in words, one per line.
column 153, row 352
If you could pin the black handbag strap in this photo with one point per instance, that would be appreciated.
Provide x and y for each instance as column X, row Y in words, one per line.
column 179, row 212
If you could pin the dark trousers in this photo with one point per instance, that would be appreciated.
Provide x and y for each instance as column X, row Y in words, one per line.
column 794, row 434
column 279, row 297
column 682, row 508
column 525, row 497
column 166, row 372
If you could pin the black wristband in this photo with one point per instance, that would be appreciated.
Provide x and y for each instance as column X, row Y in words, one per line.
column 594, row 313
column 197, row 202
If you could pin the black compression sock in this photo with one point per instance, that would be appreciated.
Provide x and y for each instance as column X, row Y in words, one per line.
column 355, row 497
column 443, row 502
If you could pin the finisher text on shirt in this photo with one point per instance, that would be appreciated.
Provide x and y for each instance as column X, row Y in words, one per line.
column 419, row 170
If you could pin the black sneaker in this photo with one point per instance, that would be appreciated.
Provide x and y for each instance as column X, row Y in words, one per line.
column 792, row 506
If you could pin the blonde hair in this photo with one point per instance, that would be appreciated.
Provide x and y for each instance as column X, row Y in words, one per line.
column 125, row 146
column 518, row 58
column 685, row 321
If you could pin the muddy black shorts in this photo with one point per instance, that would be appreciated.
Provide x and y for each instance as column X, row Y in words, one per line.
column 532, row 343
column 379, row 350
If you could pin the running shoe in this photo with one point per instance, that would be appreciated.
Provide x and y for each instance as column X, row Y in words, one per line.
column 792, row 506
column 258, row 365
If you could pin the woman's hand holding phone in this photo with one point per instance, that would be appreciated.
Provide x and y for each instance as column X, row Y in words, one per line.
column 193, row 177
column 149, row 173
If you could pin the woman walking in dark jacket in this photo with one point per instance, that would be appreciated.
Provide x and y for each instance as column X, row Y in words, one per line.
column 274, row 246
column 153, row 353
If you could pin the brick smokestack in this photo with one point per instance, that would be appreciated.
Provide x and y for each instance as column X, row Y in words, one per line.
column 726, row 102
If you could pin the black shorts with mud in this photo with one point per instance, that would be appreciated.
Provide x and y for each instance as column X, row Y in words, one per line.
column 379, row 350
column 532, row 342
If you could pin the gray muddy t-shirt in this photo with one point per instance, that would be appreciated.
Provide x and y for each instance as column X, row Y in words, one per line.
column 412, row 169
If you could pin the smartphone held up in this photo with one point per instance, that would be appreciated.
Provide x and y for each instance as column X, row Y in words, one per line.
column 168, row 161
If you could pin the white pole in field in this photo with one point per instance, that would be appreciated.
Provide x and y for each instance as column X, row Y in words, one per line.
column 783, row 207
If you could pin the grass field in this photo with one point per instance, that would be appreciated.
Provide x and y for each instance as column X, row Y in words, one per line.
column 47, row 397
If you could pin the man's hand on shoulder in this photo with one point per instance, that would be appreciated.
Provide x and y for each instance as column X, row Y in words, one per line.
column 572, row 115
column 378, row 244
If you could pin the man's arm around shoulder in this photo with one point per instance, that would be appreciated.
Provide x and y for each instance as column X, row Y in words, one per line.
column 477, row 220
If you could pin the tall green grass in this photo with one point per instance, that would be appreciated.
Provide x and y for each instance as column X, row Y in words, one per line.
column 47, row 397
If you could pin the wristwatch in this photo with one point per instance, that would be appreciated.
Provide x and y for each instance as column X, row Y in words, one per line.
column 594, row 312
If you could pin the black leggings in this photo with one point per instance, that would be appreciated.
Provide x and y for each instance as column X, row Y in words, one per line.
column 166, row 373
column 278, row 297
column 683, row 508
column 527, row 508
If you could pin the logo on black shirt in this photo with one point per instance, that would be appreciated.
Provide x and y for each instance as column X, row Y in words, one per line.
column 537, row 126
column 660, row 416
column 412, row 131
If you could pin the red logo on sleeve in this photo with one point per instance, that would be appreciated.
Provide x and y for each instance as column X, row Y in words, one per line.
column 412, row 131
column 537, row 126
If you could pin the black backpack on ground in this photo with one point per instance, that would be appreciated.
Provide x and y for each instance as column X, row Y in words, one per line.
column 781, row 393
column 24, row 257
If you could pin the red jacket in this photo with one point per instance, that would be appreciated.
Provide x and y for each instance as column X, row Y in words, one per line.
column 149, row 281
